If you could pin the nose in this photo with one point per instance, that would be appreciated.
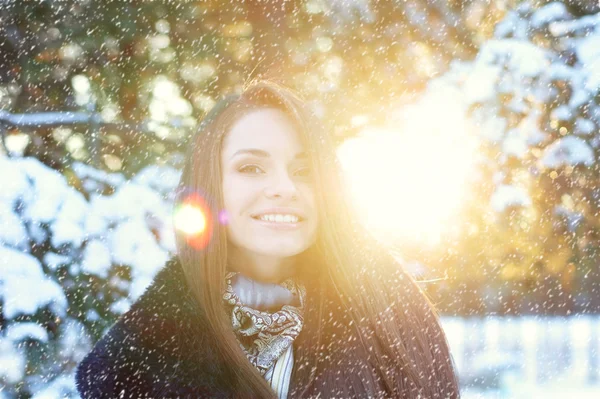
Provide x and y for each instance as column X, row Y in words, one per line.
column 281, row 186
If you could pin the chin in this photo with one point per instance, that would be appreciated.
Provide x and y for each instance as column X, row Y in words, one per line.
column 282, row 251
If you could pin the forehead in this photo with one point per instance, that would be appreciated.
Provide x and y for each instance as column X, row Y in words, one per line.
column 268, row 129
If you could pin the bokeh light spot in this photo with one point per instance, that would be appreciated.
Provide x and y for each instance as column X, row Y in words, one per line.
column 194, row 219
column 223, row 217
column 190, row 219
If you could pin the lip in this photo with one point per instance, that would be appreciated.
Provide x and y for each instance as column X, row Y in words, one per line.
column 288, row 211
column 279, row 225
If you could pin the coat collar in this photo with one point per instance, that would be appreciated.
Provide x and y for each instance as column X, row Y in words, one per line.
column 161, row 348
column 168, row 321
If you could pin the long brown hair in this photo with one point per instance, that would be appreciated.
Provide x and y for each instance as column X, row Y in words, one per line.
column 393, row 321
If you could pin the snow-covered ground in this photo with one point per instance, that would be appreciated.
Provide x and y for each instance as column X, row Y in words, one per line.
column 559, row 390
column 526, row 357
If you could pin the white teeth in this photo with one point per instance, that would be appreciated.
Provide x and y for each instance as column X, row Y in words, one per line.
column 279, row 218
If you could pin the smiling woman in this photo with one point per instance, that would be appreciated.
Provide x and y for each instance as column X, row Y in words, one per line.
column 268, row 195
column 276, row 289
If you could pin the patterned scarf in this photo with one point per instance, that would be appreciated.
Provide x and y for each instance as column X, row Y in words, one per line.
column 266, row 318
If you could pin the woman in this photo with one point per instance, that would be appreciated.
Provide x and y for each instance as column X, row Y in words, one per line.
column 279, row 292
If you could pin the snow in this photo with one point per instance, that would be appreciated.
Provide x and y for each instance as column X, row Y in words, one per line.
column 561, row 72
column 90, row 174
column 53, row 260
column 515, row 143
column 529, row 128
column 571, row 27
column 145, row 208
column 519, row 56
column 579, row 98
column 524, row 92
column 130, row 226
column 568, row 150
column 26, row 183
column 162, row 179
column 12, row 362
column 37, row 232
column 14, row 182
column 26, row 330
column 108, row 229
column 561, row 113
column 526, row 356
column 60, row 387
column 515, row 78
column 480, row 86
column 551, row 12
column 45, row 183
column 573, row 219
column 132, row 200
column 68, row 228
column 73, row 340
column 132, row 244
column 593, row 78
column 560, row 389
column 95, row 224
column 507, row 195
column 588, row 49
column 13, row 231
column 347, row 10
column 512, row 26
column 122, row 305
column 66, row 232
column 96, row 259
column 491, row 128
column 25, row 288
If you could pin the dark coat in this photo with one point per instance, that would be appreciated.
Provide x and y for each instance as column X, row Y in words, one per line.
column 155, row 350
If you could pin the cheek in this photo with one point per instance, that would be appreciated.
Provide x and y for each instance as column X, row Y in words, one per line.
column 311, row 205
column 309, row 195
column 232, row 199
column 227, row 194
column 238, row 195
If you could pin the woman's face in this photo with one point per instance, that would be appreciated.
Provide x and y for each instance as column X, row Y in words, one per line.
column 267, row 186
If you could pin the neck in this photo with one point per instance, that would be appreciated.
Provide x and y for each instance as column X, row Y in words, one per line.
column 262, row 268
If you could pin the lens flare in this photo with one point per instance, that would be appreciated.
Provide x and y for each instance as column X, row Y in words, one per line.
column 190, row 219
column 194, row 219
column 223, row 217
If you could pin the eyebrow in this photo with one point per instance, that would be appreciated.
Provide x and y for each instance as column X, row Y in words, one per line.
column 263, row 154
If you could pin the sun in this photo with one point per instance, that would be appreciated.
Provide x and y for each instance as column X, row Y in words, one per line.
column 408, row 179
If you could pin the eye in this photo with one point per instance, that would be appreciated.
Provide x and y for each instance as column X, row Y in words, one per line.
column 303, row 172
column 252, row 169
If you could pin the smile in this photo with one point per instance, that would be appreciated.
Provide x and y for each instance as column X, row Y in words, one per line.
column 278, row 218
column 279, row 222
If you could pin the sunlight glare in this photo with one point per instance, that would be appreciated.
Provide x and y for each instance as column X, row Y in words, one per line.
column 408, row 181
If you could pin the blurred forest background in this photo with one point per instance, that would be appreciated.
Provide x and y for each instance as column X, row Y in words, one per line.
column 150, row 70
column 145, row 73
column 99, row 98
